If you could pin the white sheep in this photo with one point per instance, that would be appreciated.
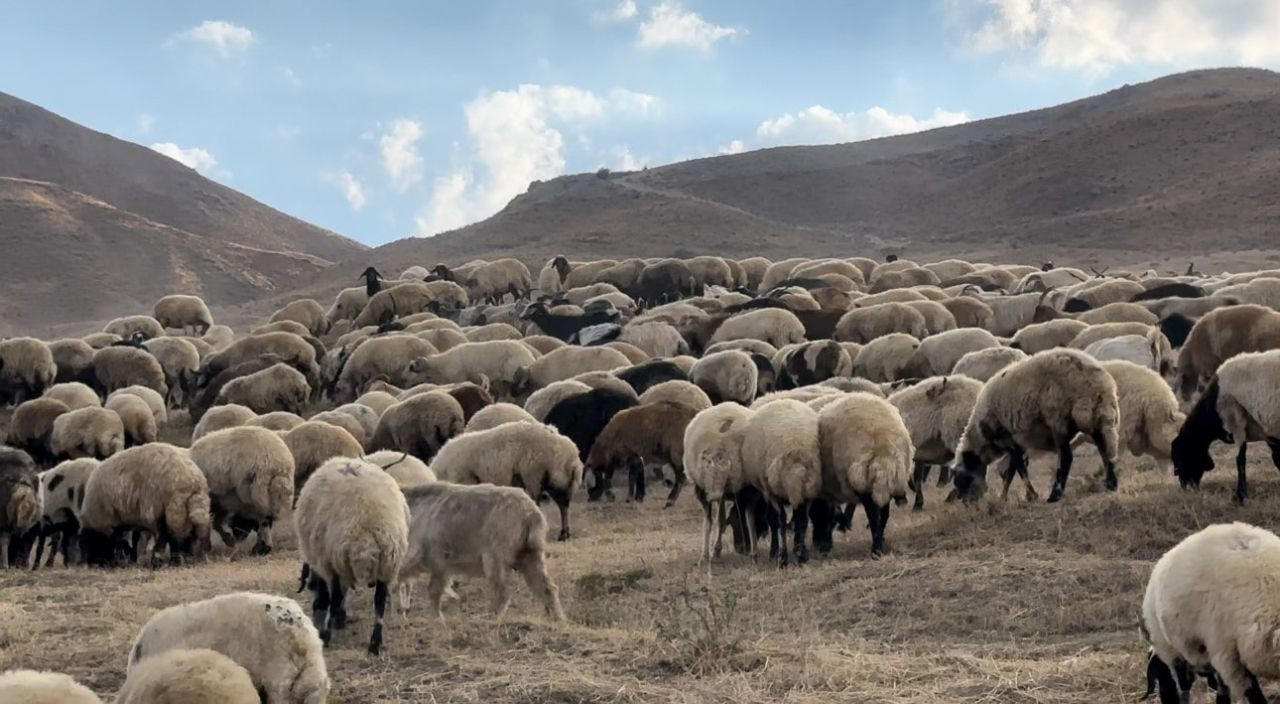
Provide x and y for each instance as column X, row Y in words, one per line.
column 135, row 416
column 279, row 387
column 775, row 326
column 186, row 313
column 865, row 325
column 782, row 457
column 406, row 469
column 313, row 443
column 63, row 488
column 250, row 472
column 713, row 464
column 567, row 363
column 984, row 364
column 499, row 362
column 153, row 398
column 885, row 358
column 31, row 687
column 938, row 354
column 74, row 394
column 496, row 414
column 88, row 432
column 935, row 412
column 198, row 676
column 677, row 391
column 730, row 375
column 279, row 421
column 220, row 417
column 540, row 402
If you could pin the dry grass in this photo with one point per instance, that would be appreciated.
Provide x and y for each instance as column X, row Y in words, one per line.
column 993, row 603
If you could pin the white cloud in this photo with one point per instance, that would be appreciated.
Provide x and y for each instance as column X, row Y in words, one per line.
column 398, row 146
column 194, row 158
column 450, row 206
column 669, row 24
column 570, row 103
column 736, row 146
column 631, row 101
column 622, row 12
column 1096, row 36
column 351, row 187
column 228, row 39
column 145, row 123
column 820, row 125
column 290, row 76
column 626, row 160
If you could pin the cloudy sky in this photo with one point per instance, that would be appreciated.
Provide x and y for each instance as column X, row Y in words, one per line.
column 389, row 119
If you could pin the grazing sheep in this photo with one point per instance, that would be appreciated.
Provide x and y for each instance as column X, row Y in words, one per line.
column 749, row 346
column 782, row 457
column 884, row 280
column 1118, row 313
column 885, row 358
column 871, row 466
column 188, row 677
column 713, row 462
column 497, row 414
column 1144, row 350
column 1050, row 279
column 21, row 501
column 87, row 432
column 30, row 687
column 564, row 325
column 26, row 369
column 677, row 391
column 897, row 295
column 98, row 340
column 471, row 397
column 1208, row 609
column 282, row 326
column 731, row 375
column 651, row 433
column 984, row 364
column 186, row 313
column 135, row 325
column 344, row 421
column 775, row 326
column 969, row 312
column 31, row 428
column 937, row 319
column 279, row 421
column 491, row 281
column 269, row 636
column 347, row 305
column 154, row 488
column 551, row 277
column 493, row 331
column 208, row 396
column 665, row 280
column 1040, row 403
column 408, row 471
column 542, row 344
column 864, row 325
column 1011, row 313
column 135, row 415
column 811, row 363
column 566, row 363
column 73, row 359
column 656, row 339
column 219, row 337
column 286, row 347
column 530, row 456
column 220, row 418
column 1220, row 335
column 499, row 362
column 419, row 425
column 651, row 373
column 935, row 412
column 279, row 387
column 315, row 442
column 353, row 528
column 1149, row 413
column 63, row 490
column 582, row 417
column 634, row 354
column 118, row 367
column 938, row 354
column 478, row 531
column 250, row 475
column 74, row 394
column 540, row 402
column 306, row 312
column 180, row 361
column 1039, row 337
column 379, row 401
column 1093, row 333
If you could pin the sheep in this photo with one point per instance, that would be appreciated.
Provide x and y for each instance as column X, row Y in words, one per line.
column 1139, row 349
column 819, row 267
column 180, row 361
column 1118, row 313
column 306, row 312
column 1207, row 610
column 26, row 369
column 897, row 295
column 656, row 339
column 74, row 394
column 477, row 530
column 1011, row 313
column 127, row 327
column 731, row 375
column 566, row 363
column 871, row 466
column 279, row 421
column 347, row 305
column 563, row 326
column 634, row 355
column 98, row 340
column 1096, row 293
column 269, row 636
column 777, row 272
column 279, row 387
column 63, row 490
column 542, row 344
column 186, row 313
column 282, row 326
column 1149, row 413
column 315, row 442
column 154, row 488
column 711, row 271
column 677, row 391
column 21, row 500
column 551, row 277
column 493, row 331
column 73, row 359
column 188, row 677
column 379, row 401
column 386, row 357
column 665, row 280
column 87, row 432
column 754, row 268
column 782, row 457
column 442, row 339
column 500, row 362
column 984, row 364
column 530, row 456
column 935, row 413
column 250, row 474
column 582, row 417
column 497, row 414
column 1049, row 279
column 866, row 324
column 353, row 528
column 493, row 280
column 1220, row 335
column 219, row 337
column 650, row 373
column 713, row 463
column 31, row 687
column 749, row 346
column 1039, row 337
column 419, row 425
column 413, row 297
column 938, row 354
column 118, row 367
column 811, row 363
column 1040, row 404
column 634, row 436
column 222, row 417
column 950, row 268
column 284, row 346
column 937, row 319
column 135, row 416
column 408, row 471
column 886, row 357
column 883, row 280
column 540, row 402
column 31, row 428
column 346, row 422
column 772, row 325
column 969, row 312
column 1263, row 291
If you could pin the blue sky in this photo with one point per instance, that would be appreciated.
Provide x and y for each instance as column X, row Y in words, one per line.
column 383, row 120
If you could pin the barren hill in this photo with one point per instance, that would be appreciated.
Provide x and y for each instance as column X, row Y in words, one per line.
column 1186, row 166
column 92, row 226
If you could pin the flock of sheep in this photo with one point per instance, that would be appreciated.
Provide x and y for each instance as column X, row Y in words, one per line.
column 411, row 429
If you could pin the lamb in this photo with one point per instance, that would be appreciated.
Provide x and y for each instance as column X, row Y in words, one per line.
column 279, row 387
column 21, row 500
column 500, row 362
column 635, row 436
column 1220, row 335
column 1069, row 392
column 713, row 462
column 871, row 466
column 1039, row 337
column 180, row 361
column 269, row 636
column 478, row 530
column 118, row 367
column 677, row 391
column 419, row 425
column 250, row 475
column 154, row 488
column 531, row 456
column 188, row 677
column 221, row 417
column 775, row 326
column 63, row 491
column 135, row 416
column 873, row 322
column 306, row 312
column 731, row 375
column 73, row 359
column 408, row 471
column 313, row 443
column 26, row 369
column 353, row 528
column 87, row 432
column 186, row 313
column 885, row 358
column 540, row 402
column 279, row 421
column 938, row 354
column 30, row 687
column 497, row 414
column 935, row 412
column 1208, row 610
column 782, row 457
column 74, row 394
column 127, row 327
column 566, row 363
column 984, row 364
column 31, row 428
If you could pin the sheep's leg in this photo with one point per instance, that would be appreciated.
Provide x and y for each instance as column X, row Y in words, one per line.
column 1242, row 484
column 337, row 605
column 944, row 474
column 1254, row 694
column 719, row 527
column 748, row 523
column 1064, row 471
column 320, row 608
column 4, row 551
column 1274, row 445
column 435, row 592
column 823, row 516
column 1110, row 480
column 675, row 488
column 263, row 546
column 379, row 609
column 534, row 570
column 800, row 517
column 874, row 523
column 1015, row 464
column 499, row 592
column 561, row 500
column 706, row 525
column 773, row 530
column 53, row 550
column 781, row 532
column 921, row 476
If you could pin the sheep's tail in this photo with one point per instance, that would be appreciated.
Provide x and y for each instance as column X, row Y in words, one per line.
column 188, row 515
column 889, row 476
column 374, row 557
column 26, row 506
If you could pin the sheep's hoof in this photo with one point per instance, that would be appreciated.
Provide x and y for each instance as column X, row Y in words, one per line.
column 1056, row 495
column 1111, row 482
column 1239, row 499
column 669, row 504
column 564, row 535
column 324, row 636
column 260, row 549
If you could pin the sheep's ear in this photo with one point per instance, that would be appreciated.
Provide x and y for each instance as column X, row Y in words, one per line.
column 520, row 378
column 483, row 382
column 418, row 365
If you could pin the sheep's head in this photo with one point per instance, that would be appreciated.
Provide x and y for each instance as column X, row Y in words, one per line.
column 369, row 274
column 442, row 273
column 422, row 370
column 970, row 476
column 1191, row 458
column 100, row 549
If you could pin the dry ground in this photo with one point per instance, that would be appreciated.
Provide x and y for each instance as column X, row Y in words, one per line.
column 999, row 602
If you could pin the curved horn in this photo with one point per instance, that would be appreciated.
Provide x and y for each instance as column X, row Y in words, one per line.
column 403, row 457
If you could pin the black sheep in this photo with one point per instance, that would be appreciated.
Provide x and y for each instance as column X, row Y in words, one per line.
column 581, row 418
column 372, row 281
column 646, row 374
column 561, row 326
